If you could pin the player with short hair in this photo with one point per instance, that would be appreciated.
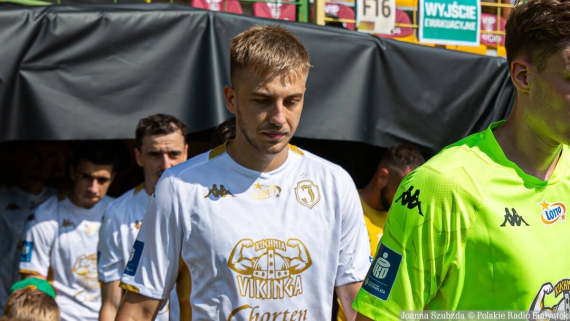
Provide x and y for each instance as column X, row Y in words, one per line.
column 267, row 229
column 60, row 238
column 31, row 300
column 482, row 225
column 224, row 132
column 160, row 144
column 377, row 196
column 33, row 164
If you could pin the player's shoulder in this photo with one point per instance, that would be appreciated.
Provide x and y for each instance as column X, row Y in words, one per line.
column 312, row 160
column 126, row 200
column 47, row 210
column 191, row 165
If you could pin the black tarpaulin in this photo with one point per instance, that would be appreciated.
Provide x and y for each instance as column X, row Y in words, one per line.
column 91, row 71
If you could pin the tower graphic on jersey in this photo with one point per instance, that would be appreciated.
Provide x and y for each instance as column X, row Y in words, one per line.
column 269, row 268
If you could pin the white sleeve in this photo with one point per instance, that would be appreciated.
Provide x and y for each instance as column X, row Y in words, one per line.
column 109, row 252
column 153, row 265
column 37, row 241
column 354, row 253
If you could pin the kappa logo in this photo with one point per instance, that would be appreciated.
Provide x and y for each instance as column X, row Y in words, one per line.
column 67, row 223
column 513, row 219
column 308, row 193
column 551, row 213
column 263, row 192
column 26, row 251
column 216, row 192
column 13, row 207
column 411, row 201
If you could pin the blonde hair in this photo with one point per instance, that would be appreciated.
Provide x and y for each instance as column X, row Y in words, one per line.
column 30, row 305
column 268, row 51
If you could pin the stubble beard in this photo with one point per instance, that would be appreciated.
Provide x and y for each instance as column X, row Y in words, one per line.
column 270, row 150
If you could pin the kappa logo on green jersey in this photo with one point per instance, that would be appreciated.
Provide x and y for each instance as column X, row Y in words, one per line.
column 410, row 200
column 513, row 219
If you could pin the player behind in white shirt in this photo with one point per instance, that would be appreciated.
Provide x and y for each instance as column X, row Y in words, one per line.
column 60, row 238
column 160, row 144
column 267, row 230
column 33, row 163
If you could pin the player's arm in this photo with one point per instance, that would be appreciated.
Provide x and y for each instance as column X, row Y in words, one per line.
column 354, row 251
column 137, row 307
column 110, row 264
column 422, row 245
column 111, row 295
column 346, row 294
column 150, row 274
column 37, row 241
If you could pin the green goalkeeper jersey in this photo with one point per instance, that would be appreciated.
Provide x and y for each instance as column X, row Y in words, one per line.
column 469, row 230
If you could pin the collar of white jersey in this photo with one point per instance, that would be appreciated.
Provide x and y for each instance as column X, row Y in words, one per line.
column 220, row 153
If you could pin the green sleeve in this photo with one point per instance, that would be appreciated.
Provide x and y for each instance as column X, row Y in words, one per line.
column 421, row 253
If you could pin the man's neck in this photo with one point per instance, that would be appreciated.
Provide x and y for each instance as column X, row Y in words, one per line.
column 523, row 146
column 371, row 196
column 243, row 153
column 148, row 187
column 30, row 186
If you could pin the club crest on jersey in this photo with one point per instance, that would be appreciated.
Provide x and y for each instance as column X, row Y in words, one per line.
column 269, row 268
column 216, row 193
column 263, row 192
column 540, row 310
column 307, row 193
column 551, row 213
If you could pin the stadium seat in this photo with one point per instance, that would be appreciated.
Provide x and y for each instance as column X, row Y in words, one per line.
column 275, row 10
column 232, row 6
column 400, row 32
column 481, row 50
column 408, row 5
column 489, row 23
column 409, row 38
column 340, row 11
column 501, row 52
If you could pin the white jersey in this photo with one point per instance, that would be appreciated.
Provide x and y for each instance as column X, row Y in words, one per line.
column 60, row 243
column 15, row 208
column 121, row 224
column 258, row 245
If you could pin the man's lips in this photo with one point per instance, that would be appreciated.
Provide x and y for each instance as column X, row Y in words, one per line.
column 275, row 136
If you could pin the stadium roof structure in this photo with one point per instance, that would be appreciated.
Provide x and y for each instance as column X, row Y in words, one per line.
column 91, row 71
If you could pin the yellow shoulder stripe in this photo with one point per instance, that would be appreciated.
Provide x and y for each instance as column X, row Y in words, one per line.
column 128, row 287
column 296, row 149
column 138, row 188
column 217, row 151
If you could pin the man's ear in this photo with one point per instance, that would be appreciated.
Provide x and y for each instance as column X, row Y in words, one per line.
column 230, row 96
column 138, row 157
column 521, row 74
column 382, row 176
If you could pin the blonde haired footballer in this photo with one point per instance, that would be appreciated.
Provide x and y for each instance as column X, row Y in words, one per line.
column 268, row 230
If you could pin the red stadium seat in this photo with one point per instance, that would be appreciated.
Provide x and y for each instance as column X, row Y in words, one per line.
column 232, row 6
column 400, row 32
column 489, row 23
column 275, row 10
column 340, row 11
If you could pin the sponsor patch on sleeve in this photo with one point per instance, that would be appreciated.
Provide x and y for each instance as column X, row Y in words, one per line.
column 382, row 273
column 135, row 258
column 26, row 251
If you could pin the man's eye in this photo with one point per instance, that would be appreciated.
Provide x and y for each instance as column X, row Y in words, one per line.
column 154, row 154
column 102, row 180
